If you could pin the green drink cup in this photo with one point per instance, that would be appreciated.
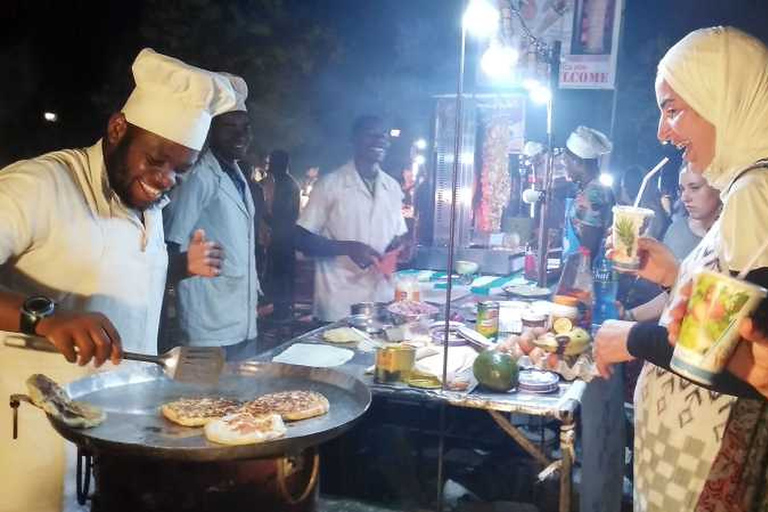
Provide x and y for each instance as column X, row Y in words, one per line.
column 629, row 224
column 710, row 328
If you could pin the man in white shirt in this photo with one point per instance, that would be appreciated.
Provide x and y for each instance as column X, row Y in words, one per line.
column 82, row 254
column 354, row 215
column 215, row 199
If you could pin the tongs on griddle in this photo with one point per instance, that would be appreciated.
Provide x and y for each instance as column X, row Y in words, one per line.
column 200, row 365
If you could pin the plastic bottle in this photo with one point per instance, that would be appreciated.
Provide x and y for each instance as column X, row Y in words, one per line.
column 606, row 288
column 407, row 287
column 577, row 281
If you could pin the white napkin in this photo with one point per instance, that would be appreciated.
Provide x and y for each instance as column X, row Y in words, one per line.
column 459, row 359
column 318, row 356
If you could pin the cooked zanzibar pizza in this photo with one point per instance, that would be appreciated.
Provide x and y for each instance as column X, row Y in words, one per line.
column 291, row 405
column 196, row 412
column 52, row 398
column 244, row 428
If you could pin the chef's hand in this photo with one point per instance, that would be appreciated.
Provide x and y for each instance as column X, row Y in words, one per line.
column 82, row 337
column 203, row 257
column 657, row 262
column 610, row 346
column 750, row 359
column 363, row 255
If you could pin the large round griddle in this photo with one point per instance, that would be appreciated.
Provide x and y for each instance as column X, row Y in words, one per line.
column 135, row 426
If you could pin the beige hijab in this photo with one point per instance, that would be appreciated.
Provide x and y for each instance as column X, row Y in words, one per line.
column 723, row 74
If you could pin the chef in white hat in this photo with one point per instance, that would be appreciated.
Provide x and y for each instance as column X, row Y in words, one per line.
column 84, row 258
column 588, row 215
column 214, row 201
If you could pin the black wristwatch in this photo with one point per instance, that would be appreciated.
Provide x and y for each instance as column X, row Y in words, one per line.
column 33, row 310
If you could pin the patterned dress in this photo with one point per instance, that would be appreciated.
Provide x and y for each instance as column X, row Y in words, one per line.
column 678, row 425
column 695, row 449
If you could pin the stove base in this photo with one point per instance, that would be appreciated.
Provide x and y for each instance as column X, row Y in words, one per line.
column 138, row 484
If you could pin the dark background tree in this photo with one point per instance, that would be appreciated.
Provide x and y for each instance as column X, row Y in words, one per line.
column 311, row 65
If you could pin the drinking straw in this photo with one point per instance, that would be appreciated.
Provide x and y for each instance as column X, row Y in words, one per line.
column 753, row 261
column 647, row 178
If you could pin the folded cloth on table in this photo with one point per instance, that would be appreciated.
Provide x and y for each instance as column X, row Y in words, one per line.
column 429, row 360
column 319, row 356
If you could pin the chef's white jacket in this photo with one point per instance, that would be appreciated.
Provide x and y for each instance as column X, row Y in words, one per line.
column 341, row 207
column 64, row 234
column 216, row 311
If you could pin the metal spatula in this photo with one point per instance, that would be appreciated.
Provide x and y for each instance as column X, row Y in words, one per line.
column 201, row 365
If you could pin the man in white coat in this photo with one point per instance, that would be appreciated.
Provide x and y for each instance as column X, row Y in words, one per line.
column 83, row 255
column 214, row 201
column 354, row 215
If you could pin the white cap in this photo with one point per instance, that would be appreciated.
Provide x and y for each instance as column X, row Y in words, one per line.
column 532, row 148
column 241, row 91
column 175, row 100
column 587, row 143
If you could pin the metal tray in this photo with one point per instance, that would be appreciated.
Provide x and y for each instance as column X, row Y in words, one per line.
column 135, row 426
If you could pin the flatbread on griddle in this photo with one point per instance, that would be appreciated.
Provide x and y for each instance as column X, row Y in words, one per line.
column 50, row 397
column 242, row 428
column 290, row 405
column 196, row 412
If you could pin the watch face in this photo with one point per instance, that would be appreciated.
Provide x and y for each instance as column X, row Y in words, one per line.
column 39, row 305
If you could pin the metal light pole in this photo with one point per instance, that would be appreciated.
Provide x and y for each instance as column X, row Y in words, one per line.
column 553, row 67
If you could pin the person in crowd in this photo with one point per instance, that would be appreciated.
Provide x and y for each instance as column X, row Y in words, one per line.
column 704, row 448
column 408, row 185
column 589, row 215
column 214, row 202
column 310, row 178
column 354, row 216
column 83, row 256
column 702, row 205
column 424, row 210
column 281, row 216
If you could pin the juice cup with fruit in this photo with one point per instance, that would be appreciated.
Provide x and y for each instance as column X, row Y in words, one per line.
column 710, row 328
column 629, row 224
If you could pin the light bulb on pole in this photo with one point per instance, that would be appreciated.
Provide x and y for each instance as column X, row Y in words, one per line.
column 481, row 19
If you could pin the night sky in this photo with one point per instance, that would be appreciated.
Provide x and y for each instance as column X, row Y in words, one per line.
column 394, row 54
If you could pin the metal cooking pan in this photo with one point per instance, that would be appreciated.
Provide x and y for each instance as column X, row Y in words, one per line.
column 135, row 426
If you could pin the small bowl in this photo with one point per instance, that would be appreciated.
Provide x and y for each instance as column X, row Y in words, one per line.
column 464, row 267
column 367, row 324
column 369, row 309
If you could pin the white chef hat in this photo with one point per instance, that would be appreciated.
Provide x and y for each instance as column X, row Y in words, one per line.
column 588, row 143
column 175, row 100
column 241, row 91
column 532, row 148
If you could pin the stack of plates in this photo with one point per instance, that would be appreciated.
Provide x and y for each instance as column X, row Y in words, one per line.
column 538, row 381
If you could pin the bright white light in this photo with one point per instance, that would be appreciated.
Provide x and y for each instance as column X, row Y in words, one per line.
column 530, row 84
column 541, row 95
column 51, row 117
column 467, row 158
column 419, row 160
column 606, row 179
column 481, row 18
column 464, row 195
column 420, row 144
column 394, row 132
column 498, row 61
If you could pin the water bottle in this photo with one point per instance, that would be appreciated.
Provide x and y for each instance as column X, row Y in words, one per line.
column 606, row 287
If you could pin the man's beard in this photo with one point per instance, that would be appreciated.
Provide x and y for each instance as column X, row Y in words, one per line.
column 120, row 179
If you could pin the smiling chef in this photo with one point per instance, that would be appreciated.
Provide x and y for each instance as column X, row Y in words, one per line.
column 83, row 258
column 354, row 215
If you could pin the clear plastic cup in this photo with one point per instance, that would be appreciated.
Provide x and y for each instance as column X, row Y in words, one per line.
column 629, row 224
column 710, row 328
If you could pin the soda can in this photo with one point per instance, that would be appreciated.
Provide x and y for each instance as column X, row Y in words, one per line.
column 488, row 319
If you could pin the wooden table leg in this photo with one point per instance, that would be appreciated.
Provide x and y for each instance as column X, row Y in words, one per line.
column 567, row 440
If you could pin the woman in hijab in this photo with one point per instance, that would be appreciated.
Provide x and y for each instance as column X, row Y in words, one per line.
column 697, row 448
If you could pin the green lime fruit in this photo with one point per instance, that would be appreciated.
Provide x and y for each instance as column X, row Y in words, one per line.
column 495, row 370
